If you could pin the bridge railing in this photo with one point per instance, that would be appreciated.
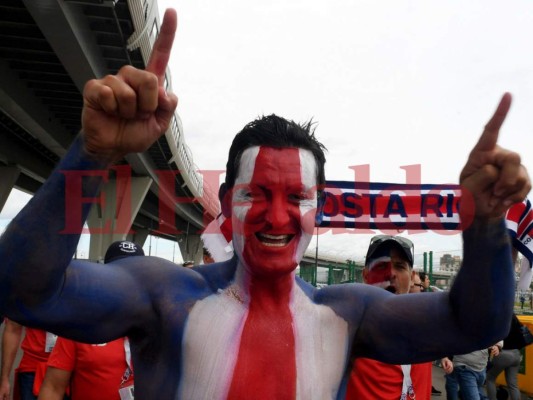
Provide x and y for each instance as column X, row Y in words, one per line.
column 145, row 16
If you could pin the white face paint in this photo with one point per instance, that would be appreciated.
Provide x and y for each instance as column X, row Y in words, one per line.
column 273, row 208
column 211, row 345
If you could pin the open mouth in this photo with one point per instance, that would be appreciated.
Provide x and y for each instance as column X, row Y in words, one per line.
column 274, row 240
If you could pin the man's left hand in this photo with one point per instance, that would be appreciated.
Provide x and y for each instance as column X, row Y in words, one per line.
column 493, row 176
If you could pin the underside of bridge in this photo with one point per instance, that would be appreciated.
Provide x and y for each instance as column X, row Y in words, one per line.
column 48, row 50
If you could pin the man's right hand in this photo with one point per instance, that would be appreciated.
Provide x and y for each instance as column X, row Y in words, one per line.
column 447, row 365
column 127, row 112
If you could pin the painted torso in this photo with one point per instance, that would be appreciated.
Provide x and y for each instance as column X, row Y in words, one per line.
column 211, row 344
column 191, row 351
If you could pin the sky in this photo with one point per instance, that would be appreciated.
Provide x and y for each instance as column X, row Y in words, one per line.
column 389, row 84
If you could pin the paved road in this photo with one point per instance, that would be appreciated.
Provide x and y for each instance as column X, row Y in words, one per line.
column 438, row 382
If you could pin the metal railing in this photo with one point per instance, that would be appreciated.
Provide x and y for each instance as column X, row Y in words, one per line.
column 145, row 16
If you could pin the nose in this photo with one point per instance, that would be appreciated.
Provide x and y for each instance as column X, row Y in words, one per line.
column 278, row 212
column 388, row 274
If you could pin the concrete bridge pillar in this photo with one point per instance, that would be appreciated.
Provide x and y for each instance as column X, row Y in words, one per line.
column 191, row 247
column 112, row 219
column 139, row 236
column 8, row 177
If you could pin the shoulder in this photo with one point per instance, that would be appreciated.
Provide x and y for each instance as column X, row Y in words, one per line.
column 217, row 275
column 157, row 274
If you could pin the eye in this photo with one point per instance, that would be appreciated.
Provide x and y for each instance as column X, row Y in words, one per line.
column 253, row 194
column 401, row 266
column 298, row 197
column 243, row 194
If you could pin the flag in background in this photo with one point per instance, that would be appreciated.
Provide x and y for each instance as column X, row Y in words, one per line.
column 519, row 220
column 217, row 238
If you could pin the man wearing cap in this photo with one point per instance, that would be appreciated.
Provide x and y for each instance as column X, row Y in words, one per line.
column 248, row 327
column 389, row 265
column 121, row 249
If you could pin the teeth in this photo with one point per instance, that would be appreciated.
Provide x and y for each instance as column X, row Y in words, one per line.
column 273, row 244
column 273, row 240
column 274, row 237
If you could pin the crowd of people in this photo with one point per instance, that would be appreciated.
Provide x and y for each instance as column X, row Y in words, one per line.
column 249, row 327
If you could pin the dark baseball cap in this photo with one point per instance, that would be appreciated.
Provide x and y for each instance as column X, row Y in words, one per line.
column 380, row 246
column 121, row 249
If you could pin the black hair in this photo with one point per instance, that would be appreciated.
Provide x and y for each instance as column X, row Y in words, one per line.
column 422, row 275
column 277, row 132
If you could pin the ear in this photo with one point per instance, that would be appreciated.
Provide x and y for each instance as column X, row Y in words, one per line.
column 321, row 200
column 224, row 196
column 413, row 274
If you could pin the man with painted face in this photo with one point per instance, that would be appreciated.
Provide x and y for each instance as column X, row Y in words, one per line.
column 247, row 328
column 389, row 265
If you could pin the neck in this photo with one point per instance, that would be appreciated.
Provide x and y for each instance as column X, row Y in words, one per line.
column 272, row 291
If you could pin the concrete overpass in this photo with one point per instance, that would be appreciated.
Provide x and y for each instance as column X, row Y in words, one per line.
column 49, row 49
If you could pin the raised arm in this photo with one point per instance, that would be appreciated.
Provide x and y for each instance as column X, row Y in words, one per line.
column 492, row 180
column 477, row 311
column 40, row 284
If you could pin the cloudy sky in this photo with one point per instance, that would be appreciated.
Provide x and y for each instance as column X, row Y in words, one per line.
column 389, row 83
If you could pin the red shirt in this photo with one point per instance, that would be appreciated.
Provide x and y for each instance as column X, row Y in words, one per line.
column 371, row 380
column 97, row 369
column 34, row 349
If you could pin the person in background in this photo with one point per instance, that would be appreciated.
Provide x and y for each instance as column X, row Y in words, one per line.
column 451, row 386
column 468, row 373
column 92, row 371
column 416, row 284
column 425, row 281
column 508, row 361
column 389, row 265
column 418, row 287
column 36, row 347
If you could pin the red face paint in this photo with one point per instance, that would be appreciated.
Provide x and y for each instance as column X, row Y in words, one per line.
column 276, row 210
column 273, row 218
column 380, row 272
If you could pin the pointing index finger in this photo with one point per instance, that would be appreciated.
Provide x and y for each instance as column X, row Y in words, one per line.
column 489, row 137
column 163, row 45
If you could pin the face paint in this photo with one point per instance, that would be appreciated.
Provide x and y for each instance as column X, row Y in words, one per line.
column 391, row 273
column 274, row 206
column 379, row 273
